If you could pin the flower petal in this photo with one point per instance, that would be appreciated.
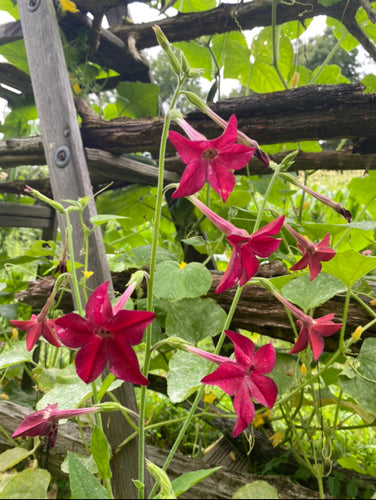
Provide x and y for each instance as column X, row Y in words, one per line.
column 98, row 309
column 187, row 150
column 244, row 349
column 244, row 409
column 263, row 389
column 91, row 359
column 73, row 330
column 227, row 377
column 229, row 135
column 192, row 180
column 302, row 340
column 317, row 344
column 48, row 332
column 232, row 274
column 221, row 179
column 265, row 358
column 129, row 326
column 124, row 363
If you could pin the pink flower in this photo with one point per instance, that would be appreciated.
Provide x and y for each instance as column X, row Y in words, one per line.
column 313, row 254
column 38, row 325
column 246, row 247
column 106, row 335
column 243, row 378
column 209, row 160
column 45, row 422
column 312, row 331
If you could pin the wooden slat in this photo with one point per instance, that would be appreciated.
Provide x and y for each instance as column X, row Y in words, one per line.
column 18, row 215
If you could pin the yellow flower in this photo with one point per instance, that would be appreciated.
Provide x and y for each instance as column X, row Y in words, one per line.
column 277, row 438
column 303, row 369
column 69, row 6
column 182, row 265
column 357, row 333
column 258, row 420
column 4, row 396
column 87, row 274
column 76, row 88
column 14, row 334
column 373, row 302
column 209, row 398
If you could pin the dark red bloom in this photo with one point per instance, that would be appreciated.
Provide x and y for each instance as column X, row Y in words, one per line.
column 312, row 331
column 209, row 160
column 45, row 422
column 246, row 247
column 106, row 335
column 36, row 326
column 243, row 378
column 313, row 253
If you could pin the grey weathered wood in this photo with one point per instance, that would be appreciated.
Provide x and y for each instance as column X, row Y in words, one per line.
column 17, row 215
column 59, row 128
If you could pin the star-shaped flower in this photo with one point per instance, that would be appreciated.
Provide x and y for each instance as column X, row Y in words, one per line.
column 209, row 160
column 244, row 377
column 312, row 331
column 105, row 335
column 246, row 247
column 36, row 326
column 313, row 254
column 45, row 422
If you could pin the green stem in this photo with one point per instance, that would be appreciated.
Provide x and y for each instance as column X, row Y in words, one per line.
column 327, row 60
column 275, row 39
column 345, row 313
column 157, row 217
column 75, row 285
column 267, row 194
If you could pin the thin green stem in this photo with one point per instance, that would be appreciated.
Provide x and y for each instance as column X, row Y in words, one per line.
column 75, row 285
column 276, row 31
column 157, row 217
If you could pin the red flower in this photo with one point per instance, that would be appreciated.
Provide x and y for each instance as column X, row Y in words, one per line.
column 246, row 247
column 313, row 254
column 243, row 378
column 106, row 335
column 209, row 160
column 45, row 422
column 36, row 326
column 312, row 331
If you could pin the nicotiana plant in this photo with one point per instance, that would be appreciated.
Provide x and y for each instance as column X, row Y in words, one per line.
column 104, row 333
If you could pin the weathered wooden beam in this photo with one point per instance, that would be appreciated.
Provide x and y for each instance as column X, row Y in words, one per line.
column 257, row 310
column 18, row 215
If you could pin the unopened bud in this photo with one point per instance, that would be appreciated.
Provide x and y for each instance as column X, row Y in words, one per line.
column 165, row 44
column 54, row 204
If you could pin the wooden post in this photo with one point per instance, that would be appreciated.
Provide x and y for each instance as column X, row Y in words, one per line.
column 70, row 180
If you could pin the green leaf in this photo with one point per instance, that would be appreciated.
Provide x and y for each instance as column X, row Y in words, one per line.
column 194, row 319
column 8, row 311
column 30, row 483
column 189, row 479
column 197, row 57
column 349, row 266
column 15, row 355
column 185, row 374
column 329, row 75
column 309, row 294
column 101, row 450
column 13, row 456
column 256, row 489
column 137, row 99
column 86, row 460
column 194, row 5
column 284, row 364
column 82, row 482
column 103, row 218
column 15, row 53
column 10, row 7
column 175, row 283
column 360, row 388
column 370, row 83
column 350, row 463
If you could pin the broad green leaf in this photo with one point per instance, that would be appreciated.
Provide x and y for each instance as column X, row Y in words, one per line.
column 173, row 282
column 10, row 7
column 13, row 456
column 256, row 489
column 329, row 75
column 284, row 364
column 137, row 99
column 101, row 450
column 14, row 355
column 370, row 83
column 349, row 266
column 362, row 387
column 103, row 218
column 310, row 294
column 195, row 319
column 30, row 483
column 349, row 42
column 189, row 479
column 82, row 482
column 45, row 377
column 350, row 463
column 223, row 46
column 184, row 376
column 363, row 189
column 8, row 311
column 87, row 461
column 194, row 5
column 236, row 59
column 15, row 53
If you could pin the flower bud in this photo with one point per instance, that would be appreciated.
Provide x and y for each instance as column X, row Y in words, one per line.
column 165, row 44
